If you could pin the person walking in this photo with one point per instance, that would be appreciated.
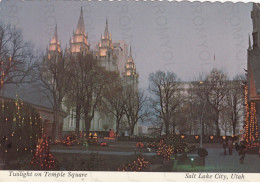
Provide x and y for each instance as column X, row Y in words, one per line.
column 225, row 146
column 230, row 146
column 242, row 152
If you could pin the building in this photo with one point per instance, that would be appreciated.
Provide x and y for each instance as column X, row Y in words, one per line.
column 121, row 53
column 193, row 109
column 113, row 56
column 130, row 74
column 252, row 88
column 105, row 51
column 40, row 100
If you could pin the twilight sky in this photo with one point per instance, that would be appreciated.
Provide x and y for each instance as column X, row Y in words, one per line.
column 169, row 36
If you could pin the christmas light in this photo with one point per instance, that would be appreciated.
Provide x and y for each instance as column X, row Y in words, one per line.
column 16, row 131
column 139, row 145
column 43, row 157
column 137, row 165
column 250, row 124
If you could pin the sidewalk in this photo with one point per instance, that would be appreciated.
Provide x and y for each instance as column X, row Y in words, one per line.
column 98, row 152
column 216, row 161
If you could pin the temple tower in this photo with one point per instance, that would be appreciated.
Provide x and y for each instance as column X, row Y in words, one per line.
column 79, row 41
column 105, row 53
column 130, row 75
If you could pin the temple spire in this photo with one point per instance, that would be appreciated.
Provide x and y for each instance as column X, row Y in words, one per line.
column 55, row 36
column 106, row 33
column 130, row 52
column 54, row 43
column 80, row 28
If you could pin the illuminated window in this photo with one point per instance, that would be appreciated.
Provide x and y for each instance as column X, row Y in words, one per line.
column 128, row 73
column 103, row 52
column 72, row 118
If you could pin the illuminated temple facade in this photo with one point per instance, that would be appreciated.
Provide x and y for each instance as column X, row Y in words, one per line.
column 130, row 75
column 112, row 55
column 79, row 41
column 252, row 88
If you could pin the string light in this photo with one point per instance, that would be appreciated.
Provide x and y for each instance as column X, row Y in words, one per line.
column 17, row 130
column 43, row 158
column 250, row 125
column 139, row 145
column 137, row 165
column 165, row 151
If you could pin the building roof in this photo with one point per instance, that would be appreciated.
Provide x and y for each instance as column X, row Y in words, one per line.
column 31, row 93
column 80, row 28
column 106, row 33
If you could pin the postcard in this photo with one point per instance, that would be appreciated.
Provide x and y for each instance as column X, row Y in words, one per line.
column 129, row 91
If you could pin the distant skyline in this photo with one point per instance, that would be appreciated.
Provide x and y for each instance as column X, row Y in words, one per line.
column 185, row 38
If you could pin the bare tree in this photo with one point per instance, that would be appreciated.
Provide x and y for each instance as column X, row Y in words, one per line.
column 183, row 120
column 165, row 97
column 94, row 93
column 235, row 100
column 55, row 78
column 134, row 108
column 114, row 100
column 17, row 57
column 81, row 70
column 90, row 81
column 201, row 111
column 217, row 90
column 225, row 123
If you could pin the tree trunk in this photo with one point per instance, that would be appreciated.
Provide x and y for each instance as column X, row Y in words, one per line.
column 173, row 127
column 78, row 110
column 87, row 122
column 117, row 126
column 55, row 126
column 132, row 128
column 234, row 127
column 203, row 129
column 167, row 128
column 217, row 125
column 56, row 109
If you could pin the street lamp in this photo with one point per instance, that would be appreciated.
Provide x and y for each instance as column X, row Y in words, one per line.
column 201, row 117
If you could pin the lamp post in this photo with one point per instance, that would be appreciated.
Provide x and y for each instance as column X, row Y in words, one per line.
column 201, row 134
column 201, row 117
column 201, row 126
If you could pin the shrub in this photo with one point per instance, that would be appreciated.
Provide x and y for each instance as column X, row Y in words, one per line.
column 202, row 152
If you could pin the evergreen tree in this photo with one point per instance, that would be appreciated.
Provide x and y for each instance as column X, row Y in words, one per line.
column 43, row 159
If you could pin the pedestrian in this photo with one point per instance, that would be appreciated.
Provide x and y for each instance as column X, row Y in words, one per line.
column 242, row 152
column 111, row 133
column 225, row 146
column 230, row 146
